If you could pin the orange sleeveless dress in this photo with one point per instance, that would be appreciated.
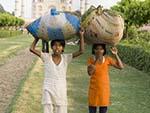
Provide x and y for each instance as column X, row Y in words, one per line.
column 99, row 88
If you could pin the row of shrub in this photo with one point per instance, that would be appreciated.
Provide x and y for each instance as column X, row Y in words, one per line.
column 7, row 19
column 136, row 33
column 135, row 56
column 9, row 33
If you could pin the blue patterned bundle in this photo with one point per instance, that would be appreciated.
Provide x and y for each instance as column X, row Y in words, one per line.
column 55, row 25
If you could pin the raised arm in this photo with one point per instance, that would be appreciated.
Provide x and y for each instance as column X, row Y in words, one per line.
column 32, row 48
column 81, row 46
column 119, row 62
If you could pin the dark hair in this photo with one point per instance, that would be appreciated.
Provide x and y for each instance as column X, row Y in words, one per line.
column 98, row 44
column 61, row 41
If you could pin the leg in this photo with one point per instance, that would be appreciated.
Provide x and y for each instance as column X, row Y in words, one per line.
column 60, row 109
column 45, row 46
column 92, row 109
column 103, row 109
column 48, row 108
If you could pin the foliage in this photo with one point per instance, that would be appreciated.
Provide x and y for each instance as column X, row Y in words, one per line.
column 138, row 38
column 135, row 12
column 7, row 19
column 9, row 33
column 134, row 50
column 1, row 9
column 135, row 56
column 132, row 32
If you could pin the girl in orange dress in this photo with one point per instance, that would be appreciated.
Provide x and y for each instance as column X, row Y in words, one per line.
column 98, row 69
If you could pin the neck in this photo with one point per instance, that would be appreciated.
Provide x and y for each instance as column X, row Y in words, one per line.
column 99, row 57
column 56, row 55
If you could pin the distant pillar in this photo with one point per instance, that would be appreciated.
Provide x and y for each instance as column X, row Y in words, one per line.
column 82, row 6
column 70, row 5
column 22, row 8
column 19, row 8
column 86, row 5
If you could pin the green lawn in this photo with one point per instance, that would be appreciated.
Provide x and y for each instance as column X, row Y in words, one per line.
column 130, row 89
column 10, row 46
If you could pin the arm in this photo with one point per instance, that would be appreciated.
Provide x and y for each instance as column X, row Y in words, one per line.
column 81, row 48
column 32, row 48
column 119, row 62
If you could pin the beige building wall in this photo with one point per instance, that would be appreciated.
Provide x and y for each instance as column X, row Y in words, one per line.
column 84, row 5
column 39, row 7
column 19, row 8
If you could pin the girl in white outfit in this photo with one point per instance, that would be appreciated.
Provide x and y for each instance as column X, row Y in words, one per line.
column 54, row 97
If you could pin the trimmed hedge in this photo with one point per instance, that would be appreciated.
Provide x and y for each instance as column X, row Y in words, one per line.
column 7, row 19
column 135, row 57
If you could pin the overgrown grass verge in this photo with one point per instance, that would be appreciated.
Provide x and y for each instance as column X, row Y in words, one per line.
column 9, row 33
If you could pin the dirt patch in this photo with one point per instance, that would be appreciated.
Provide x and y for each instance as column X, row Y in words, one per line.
column 11, row 73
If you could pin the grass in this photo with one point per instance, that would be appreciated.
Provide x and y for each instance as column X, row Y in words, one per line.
column 10, row 46
column 19, row 89
column 130, row 89
column 9, row 33
column 29, row 97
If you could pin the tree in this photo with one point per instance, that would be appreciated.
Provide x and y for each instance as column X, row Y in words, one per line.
column 134, row 12
column 1, row 9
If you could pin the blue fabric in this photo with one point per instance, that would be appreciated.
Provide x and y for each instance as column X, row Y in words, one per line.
column 74, row 21
column 33, row 27
column 55, row 33
column 54, row 12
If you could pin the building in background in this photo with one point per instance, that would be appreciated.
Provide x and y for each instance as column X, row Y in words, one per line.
column 84, row 5
column 19, row 8
column 39, row 7
column 35, row 8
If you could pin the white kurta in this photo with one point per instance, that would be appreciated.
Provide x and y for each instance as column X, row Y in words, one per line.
column 54, row 86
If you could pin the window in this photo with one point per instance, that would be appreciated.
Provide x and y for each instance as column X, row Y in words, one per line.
column 40, row 8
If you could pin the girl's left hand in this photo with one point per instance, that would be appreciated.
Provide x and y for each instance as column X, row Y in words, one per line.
column 81, row 31
column 114, row 50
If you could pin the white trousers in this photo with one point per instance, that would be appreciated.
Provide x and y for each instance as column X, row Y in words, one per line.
column 49, row 108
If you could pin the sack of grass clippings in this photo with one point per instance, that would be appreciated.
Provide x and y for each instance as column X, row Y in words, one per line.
column 102, row 26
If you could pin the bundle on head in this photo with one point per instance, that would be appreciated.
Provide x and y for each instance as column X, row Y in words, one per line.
column 102, row 26
column 55, row 25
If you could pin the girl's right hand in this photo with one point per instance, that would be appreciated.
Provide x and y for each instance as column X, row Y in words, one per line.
column 91, row 69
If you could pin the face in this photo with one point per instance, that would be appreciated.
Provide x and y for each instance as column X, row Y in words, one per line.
column 99, row 51
column 57, row 48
